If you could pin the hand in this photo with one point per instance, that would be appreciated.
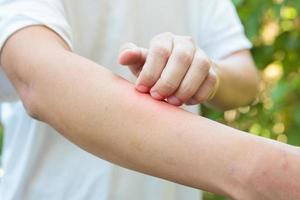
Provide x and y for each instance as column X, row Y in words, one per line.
column 173, row 68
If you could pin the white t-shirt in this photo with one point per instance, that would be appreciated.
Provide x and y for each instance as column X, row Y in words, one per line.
column 38, row 162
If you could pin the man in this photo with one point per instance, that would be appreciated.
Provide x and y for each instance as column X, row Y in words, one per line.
column 101, row 113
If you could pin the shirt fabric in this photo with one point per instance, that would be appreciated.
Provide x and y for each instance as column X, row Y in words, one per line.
column 38, row 162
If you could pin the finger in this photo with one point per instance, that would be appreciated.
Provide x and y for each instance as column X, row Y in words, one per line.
column 191, row 102
column 158, row 55
column 193, row 79
column 133, row 57
column 207, row 88
column 176, row 68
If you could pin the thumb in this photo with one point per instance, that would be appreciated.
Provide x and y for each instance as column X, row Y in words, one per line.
column 132, row 56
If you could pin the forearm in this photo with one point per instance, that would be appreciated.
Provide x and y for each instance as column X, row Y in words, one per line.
column 238, row 84
column 103, row 114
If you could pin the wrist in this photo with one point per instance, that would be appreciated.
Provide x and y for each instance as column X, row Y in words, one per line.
column 216, row 87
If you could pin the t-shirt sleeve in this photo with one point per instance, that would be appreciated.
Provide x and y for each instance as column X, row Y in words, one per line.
column 221, row 32
column 18, row 14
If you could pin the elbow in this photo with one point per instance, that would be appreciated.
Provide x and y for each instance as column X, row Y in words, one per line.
column 28, row 99
column 25, row 92
column 31, row 110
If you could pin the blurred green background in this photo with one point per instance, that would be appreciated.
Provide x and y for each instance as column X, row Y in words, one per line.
column 274, row 28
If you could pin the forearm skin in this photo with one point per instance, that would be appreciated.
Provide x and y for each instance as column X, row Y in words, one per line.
column 103, row 114
column 239, row 81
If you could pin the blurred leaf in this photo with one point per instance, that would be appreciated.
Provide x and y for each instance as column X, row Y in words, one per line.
column 278, row 104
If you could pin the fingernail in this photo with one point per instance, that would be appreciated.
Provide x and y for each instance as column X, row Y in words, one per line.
column 174, row 101
column 136, row 50
column 192, row 102
column 156, row 95
column 142, row 88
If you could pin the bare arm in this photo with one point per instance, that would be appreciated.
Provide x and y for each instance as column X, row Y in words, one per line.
column 238, row 81
column 103, row 114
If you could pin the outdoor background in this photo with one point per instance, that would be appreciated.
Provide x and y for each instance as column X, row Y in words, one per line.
column 274, row 28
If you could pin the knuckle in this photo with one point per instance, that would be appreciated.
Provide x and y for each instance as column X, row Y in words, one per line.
column 202, row 63
column 167, row 85
column 211, row 80
column 202, row 59
column 147, row 77
column 205, row 62
column 184, row 55
column 162, row 51
column 185, row 93
column 204, row 68
column 188, row 91
column 200, row 97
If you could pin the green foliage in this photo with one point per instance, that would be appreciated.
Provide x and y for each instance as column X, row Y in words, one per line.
column 274, row 28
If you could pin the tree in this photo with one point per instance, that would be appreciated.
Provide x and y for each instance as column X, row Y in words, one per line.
column 273, row 26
